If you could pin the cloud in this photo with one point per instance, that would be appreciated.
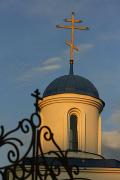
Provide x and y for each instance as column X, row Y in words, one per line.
column 86, row 47
column 113, row 121
column 115, row 117
column 52, row 60
column 83, row 48
column 111, row 139
column 48, row 68
column 110, row 36
column 111, row 144
column 49, row 65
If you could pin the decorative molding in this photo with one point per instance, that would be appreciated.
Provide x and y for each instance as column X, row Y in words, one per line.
column 72, row 98
column 81, row 126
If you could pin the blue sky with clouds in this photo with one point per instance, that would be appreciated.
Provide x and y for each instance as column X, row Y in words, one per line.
column 33, row 53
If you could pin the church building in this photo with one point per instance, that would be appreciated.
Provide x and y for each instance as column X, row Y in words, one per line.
column 71, row 108
column 67, row 143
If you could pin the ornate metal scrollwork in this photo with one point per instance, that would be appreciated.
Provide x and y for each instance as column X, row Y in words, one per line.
column 52, row 165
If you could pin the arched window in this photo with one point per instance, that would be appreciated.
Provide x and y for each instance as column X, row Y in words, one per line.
column 73, row 136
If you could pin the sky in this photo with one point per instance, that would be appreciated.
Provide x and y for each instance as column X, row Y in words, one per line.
column 33, row 53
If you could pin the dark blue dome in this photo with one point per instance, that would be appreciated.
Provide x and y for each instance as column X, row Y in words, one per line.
column 71, row 84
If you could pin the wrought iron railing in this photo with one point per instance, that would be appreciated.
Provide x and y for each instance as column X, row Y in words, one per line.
column 34, row 163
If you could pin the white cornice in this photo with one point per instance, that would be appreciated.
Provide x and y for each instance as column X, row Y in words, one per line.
column 72, row 98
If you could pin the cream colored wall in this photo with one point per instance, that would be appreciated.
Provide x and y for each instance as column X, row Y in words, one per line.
column 99, row 134
column 55, row 111
column 100, row 173
column 90, row 173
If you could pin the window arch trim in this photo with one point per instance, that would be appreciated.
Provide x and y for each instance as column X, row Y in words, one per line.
column 81, row 127
column 73, row 132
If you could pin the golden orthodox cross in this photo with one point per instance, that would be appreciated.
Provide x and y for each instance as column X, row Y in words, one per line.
column 71, row 43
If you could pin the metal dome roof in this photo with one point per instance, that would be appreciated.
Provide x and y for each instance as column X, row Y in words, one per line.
column 71, row 84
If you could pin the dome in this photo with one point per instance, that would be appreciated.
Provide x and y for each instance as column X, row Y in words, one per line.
column 71, row 84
